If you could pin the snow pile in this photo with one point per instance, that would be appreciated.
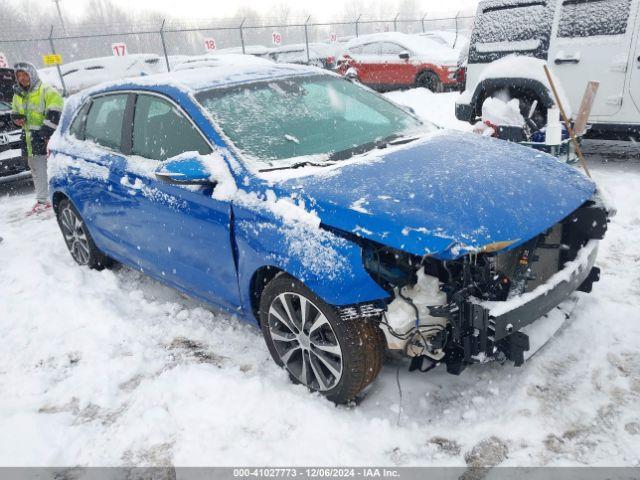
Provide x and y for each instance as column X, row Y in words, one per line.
column 434, row 107
column 503, row 113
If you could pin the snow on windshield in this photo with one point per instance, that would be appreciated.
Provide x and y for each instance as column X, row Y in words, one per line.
column 297, row 117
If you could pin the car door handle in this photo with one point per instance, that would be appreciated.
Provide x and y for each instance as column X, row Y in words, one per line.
column 559, row 61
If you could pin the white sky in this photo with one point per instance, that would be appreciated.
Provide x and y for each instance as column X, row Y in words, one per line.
column 320, row 9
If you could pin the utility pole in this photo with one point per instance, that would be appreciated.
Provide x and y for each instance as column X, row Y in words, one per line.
column 64, row 29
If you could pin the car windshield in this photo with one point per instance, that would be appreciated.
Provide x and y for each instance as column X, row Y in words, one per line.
column 321, row 116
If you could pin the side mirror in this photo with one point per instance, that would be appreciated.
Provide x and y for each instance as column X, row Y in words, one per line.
column 183, row 170
column 404, row 55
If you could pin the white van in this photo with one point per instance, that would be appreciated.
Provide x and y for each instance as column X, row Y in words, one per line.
column 580, row 40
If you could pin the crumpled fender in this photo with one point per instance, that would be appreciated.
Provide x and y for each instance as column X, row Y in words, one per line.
column 329, row 265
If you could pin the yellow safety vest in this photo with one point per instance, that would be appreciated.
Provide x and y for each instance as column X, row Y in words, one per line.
column 33, row 105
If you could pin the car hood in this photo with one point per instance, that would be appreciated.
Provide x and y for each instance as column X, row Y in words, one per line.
column 446, row 195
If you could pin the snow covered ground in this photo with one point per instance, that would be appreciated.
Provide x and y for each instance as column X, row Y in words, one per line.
column 112, row 368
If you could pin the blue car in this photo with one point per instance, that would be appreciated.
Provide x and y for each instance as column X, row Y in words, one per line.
column 330, row 217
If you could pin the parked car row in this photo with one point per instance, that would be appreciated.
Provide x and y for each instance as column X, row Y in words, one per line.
column 381, row 61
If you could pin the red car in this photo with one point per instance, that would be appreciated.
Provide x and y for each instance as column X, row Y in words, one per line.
column 393, row 60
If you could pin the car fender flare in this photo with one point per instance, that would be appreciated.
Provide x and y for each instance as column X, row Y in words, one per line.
column 485, row 87
column 329, row 265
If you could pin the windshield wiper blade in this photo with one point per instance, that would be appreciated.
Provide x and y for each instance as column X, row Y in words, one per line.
column 394, row 139
column 402, row 141
column 297, row 165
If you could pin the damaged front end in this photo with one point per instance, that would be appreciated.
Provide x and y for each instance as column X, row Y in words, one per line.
column 473, row 308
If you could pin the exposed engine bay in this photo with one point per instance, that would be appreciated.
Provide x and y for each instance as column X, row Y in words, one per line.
column 471, row 309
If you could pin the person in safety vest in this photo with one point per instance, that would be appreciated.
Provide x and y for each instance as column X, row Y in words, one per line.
column 36, row 108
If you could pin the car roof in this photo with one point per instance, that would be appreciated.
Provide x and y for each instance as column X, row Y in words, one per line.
column 198, row 79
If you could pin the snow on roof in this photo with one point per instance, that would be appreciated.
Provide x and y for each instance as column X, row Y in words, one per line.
column 416, row 44
column 248, row 49
column 220, row 60
column 204, row 78
column 82, row 74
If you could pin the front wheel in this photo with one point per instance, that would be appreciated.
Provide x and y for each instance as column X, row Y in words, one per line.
column 77, row 237
column 430, row 81
column 335, row 357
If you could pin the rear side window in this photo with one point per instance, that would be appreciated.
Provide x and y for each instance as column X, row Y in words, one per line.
column 371, row 49
column 78, row 124
column 590, row 18
column 104, row 121
column 388, row 48
column 160, row 131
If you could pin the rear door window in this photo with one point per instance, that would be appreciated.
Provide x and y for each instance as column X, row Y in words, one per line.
column 388, row 48
column 371, row 49
column 160, row 131
column 104, row 121
column 78, row 124
column 590, row 18
column 511, row 26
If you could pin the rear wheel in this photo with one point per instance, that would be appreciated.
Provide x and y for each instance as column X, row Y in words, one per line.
column 430, row 81
column 335, row 357
column 77, row 237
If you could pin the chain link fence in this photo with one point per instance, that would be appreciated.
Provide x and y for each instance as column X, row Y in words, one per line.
column 170, row 40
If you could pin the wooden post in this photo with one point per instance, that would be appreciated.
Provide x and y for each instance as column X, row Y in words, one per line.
column 566, row 122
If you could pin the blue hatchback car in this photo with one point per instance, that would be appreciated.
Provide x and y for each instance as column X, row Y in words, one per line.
column 324, row 213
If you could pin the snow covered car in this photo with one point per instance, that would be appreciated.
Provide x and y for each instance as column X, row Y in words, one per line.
column 87, row 73
column 13, row 165
column 393, row 60
column 580, row 41
column 321, row 55
column 214, row 60
column 326, row 214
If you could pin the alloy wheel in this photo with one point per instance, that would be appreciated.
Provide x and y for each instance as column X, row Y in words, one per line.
column 305, row 341
column 75, row 235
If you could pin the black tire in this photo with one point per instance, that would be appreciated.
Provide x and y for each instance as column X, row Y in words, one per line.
column 430, row 81
column 360, row 342
column 78, row 239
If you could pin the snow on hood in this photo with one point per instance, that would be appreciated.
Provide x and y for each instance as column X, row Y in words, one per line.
column 446, row 196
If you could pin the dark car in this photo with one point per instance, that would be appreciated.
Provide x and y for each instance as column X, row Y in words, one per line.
column 13, row 165
column 6, row 84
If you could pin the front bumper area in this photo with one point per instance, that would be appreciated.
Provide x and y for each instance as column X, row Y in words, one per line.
column 579, row 274
column 13, row 164
column 483, row 329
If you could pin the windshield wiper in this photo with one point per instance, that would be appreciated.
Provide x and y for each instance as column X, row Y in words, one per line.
column 297, row 165
column 394, row 139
